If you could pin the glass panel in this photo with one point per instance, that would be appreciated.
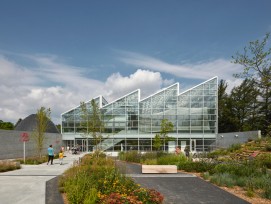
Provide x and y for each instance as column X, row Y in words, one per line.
column 118, row 111
column 196, row 105
column 193, row 111
column 119, row 103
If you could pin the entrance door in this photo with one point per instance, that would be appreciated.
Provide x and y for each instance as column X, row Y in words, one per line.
column 84, row 145
column 193, row 145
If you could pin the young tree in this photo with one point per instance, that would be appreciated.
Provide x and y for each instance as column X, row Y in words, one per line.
column 257, row 66
column 166, row 127
column 157, row 143
column 38, row 134
column 256, row 61
column 92, row 122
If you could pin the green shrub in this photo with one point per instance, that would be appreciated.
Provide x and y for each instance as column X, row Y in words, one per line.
column 234, row 168
column 268, row 148
column 121, row 156
column 9, row 166
column 99, row 154
column 267, row 191
column 170, row 159
column 88, row 160
column 264, row 160
column 91, row 197
column 149, row 155
column 223, row 179
column 150, row 162
column 260, row 181
column 250, row 193
column 130, row 156
column 250, row 188
column 160, row 158
column 196, row 166
column 34, row 160
column 216, row 153
column 241, row 181
column 76, row 188
column 234, row 147
column 206, row 175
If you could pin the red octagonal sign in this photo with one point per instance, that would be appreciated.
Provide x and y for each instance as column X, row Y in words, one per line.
column 24, row 137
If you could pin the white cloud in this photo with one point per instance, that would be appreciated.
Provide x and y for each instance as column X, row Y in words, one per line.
column 200, row 70
column 53, row 84
column 60, row 86
column 147, row 81
column 50, row 84
column 11, row 70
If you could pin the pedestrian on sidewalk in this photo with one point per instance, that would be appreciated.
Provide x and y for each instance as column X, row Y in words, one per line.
column 186, row 150
column 50, row 154
column 60, row 156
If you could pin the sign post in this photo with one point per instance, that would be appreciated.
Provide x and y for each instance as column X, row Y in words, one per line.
column 24, row 138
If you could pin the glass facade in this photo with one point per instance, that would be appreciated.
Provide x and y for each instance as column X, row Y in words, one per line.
column 131, row 123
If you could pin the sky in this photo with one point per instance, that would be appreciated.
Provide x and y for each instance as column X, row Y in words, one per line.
column 56, row 54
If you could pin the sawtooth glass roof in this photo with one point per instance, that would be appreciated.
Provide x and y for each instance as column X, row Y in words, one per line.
column 192, row 112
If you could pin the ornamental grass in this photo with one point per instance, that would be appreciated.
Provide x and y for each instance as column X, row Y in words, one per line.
column 97, row 180
column 6, row 165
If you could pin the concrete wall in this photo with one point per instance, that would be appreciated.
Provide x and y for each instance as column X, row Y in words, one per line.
column 11, row 147
column 225, row 140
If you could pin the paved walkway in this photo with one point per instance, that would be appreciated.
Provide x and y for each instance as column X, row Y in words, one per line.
column 28, row 184
column 180, row 188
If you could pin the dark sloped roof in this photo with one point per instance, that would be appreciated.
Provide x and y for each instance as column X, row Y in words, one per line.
column 30, row 123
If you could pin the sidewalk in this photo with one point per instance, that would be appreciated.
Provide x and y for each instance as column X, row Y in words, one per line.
column 28, row 184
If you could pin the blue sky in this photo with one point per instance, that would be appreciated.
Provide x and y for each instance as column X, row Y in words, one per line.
column 58, row 53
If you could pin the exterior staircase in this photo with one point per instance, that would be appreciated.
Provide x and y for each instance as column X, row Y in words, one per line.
column 107, row 143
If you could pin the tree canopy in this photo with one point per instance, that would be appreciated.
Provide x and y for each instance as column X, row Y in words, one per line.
column 166, row 127
column 91, row 123
column 248, row 106
column 6, row 125
column 43, row 117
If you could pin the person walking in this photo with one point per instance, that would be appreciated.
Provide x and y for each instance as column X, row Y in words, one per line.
column 60, row 156
column 186, row 150
column 50, row 154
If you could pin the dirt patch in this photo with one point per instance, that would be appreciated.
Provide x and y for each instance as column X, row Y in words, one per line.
column 64, row 197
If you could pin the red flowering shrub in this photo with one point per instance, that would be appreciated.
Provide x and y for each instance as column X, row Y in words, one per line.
column 139, row 196
column 150, row 196
column 117, row 198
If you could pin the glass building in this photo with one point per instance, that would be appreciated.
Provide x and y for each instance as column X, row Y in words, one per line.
column 131, row 123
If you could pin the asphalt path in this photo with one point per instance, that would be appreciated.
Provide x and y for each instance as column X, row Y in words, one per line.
column 180, row 188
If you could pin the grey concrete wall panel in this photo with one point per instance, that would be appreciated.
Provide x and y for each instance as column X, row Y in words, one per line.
column 225, row 140
column 11, row 147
